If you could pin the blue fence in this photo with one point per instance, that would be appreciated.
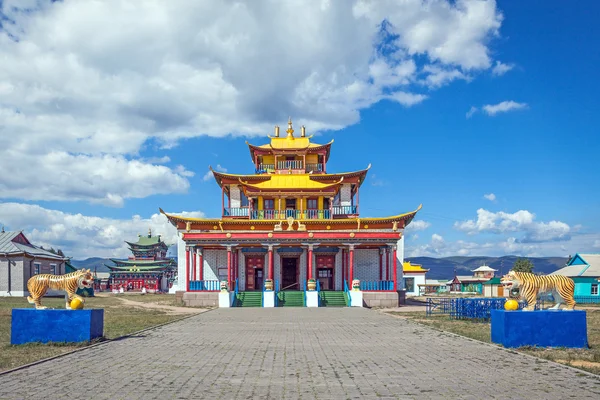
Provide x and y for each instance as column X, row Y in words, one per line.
column 587, row 299
column 376, row 285
column 204, row 285
column 475, row 308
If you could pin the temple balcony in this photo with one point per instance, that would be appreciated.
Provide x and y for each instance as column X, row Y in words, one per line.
column 296, row 167
column 247, row 213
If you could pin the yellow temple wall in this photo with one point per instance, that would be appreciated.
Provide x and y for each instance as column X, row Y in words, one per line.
column 268, row 159
column 260, row 202
column 312, row 158
column 320, row 203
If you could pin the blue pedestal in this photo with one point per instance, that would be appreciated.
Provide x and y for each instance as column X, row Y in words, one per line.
column 544, row 328
column 31, row 325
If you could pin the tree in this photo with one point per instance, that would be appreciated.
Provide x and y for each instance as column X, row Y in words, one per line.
column 523, row 265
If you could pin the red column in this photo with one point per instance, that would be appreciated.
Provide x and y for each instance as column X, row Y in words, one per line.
column 187, row 268
column 201, row 269
column 271, row 266
column 229, row 266
column 235, row 265
column 309, row 263
column 387, row 264
column 380, row 264
column 395, row 272
column 351, row 266
column 343, row 266
column 194, row 263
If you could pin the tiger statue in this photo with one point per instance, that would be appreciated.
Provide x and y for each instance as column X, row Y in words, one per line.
column 530, row 285
column 38, row 285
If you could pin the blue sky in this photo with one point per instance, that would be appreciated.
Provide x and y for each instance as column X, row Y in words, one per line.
column 484, row 112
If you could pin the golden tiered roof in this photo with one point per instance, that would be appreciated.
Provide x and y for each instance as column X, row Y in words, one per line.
column 289, row 144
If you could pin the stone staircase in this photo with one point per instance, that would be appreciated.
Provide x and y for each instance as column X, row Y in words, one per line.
column 291, row 298
column 332, row 299
column 248, row 299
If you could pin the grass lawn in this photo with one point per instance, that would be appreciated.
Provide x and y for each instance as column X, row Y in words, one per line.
column 119, row 320
column 586, row 359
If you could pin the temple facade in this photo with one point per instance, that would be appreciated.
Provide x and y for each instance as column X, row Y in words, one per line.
column 148, row 266
column 290, row 223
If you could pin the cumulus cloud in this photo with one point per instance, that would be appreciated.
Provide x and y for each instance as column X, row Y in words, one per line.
column 82, row 236
column 503, row 107
column 417, row 225
column 500, row 68
column 490, row 196
column 92, row 98
column 471, row 111
column 209, row 175
column 509, row 245
column 520, row 221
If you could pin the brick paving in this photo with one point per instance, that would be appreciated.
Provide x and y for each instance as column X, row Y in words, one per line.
column 296, row 353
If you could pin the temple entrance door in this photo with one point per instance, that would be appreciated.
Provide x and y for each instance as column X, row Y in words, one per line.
column 254, row 268
column 325, row 267
column 289, row 274
column 258, row 279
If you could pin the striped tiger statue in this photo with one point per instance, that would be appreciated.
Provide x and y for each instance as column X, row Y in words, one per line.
column 38, row 285
column 530, row 285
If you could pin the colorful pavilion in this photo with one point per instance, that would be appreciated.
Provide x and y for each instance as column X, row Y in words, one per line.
column 148, row 267
column 292, row 221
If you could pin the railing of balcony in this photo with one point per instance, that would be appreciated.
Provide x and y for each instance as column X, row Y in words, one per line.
column 264, row 168
column 293, row 164
column 235, row 212
column 296, row 214
column 314, row 167
column 344, row 210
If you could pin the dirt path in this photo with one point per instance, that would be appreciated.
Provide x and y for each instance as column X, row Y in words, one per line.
column 173, row 310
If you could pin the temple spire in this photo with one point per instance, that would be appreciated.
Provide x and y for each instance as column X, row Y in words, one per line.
column 290, row 131
column 149, row 232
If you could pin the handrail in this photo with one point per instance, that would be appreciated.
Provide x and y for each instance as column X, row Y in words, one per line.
column 303, row 287
column 318, row 293
column 376, row 285
column 235, row 292
column 293, row 284
column 347, row 293
column 276, row 290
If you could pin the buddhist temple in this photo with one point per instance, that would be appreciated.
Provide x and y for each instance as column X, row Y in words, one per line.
column 290, row 223
column 148, row 266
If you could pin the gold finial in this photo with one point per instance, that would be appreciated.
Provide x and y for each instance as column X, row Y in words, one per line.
column 276, row 131
column 303, row 131
column 290, row 130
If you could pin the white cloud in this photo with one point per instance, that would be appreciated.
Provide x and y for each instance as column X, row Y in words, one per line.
column 417, row 225
column 502, row 107
column 521, row 221
column 508, row 245
column 209, row 175
column 500, row 68
column 77, row 92
column 81, row 236
column 438, row 76
column 471, row 111
column 490, row 196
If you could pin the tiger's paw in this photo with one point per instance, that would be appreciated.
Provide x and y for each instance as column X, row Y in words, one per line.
column 41, row 307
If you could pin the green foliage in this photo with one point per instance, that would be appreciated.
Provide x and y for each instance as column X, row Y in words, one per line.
column 523, row 265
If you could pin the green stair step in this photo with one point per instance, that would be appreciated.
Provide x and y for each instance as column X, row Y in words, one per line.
column 249, row 299
column 333, row 299
column 290, row 299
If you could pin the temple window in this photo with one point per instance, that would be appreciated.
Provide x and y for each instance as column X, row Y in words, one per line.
column 36, row 268
column 312, row 204
column 269, row 204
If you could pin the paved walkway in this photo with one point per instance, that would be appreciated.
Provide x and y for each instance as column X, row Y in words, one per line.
column 296, row 353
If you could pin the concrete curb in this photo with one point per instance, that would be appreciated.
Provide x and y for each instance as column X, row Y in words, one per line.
column 495, row 346
column 103, row 342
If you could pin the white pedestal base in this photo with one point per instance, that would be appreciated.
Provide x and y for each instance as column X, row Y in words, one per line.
column 356, row 298
column 269, row 298
column 224, row 299
column 312, row 298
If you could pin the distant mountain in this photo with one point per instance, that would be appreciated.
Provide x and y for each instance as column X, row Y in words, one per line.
column 96, row 263
column 93, row 263
column 443, row 268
